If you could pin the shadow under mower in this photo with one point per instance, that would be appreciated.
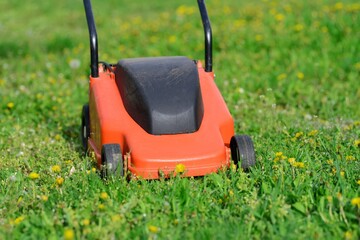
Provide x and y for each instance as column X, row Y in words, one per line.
column 148, row 116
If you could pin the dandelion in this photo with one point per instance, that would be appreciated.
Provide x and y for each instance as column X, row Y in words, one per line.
column 57, row 137
column 357, row 66
column 282, row 76
column 338, row 6
column 180, row 168
column 34, row 175
column 342, row 173
column 299, row 134
column 69, row 234
column 18, row 220
column 259, row 37
column 279, row 17
column 116, row 218
column 101, row 207
column 44, row 198
column 59, row 181
column 153, row 229
column 291, row 161
column 10, row 105
column 104, row 196
column 356, row 202
column 330, row 162
column 358, row 181
column 350, row 158
column 56, row 169
column 300, row 75
column 313, row 133
column 172, row 39
column 85, row 222
column 231, row 193
column 299, row 164
column 298, row 27
column 357, row 143
column 348, row 235
column 329, row 198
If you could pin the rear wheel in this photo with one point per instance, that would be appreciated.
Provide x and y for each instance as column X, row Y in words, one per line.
column 242, row 151
column 85, row 126
column 112, row 161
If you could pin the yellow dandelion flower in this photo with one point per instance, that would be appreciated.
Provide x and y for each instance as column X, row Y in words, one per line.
column 180, row 168
column 153, row 229
column 59, row 181
column 350, row 158
column 116, row 218
column 93, row 169
column 298, row 27
column 313, row 132
column 276, row 159
column 356, row 202
column 281, row 77
column 101, row 206
column 278, row 154
column 44, row 198
column 57, row 137
column 329, row 198
column 18, row 220
column 10, row 105
column 231, row 193
column 104, row 196
column 56, row 169
column 299, row 164
column 299, row 134
column 172, row 39
column 259, row 37
column 85, row 222
column 279, row 17
column 291, row 160
column 348, row 235
column 338, row 6
column 339, row 195
column 69, row 234
column 34, row 175
column 342, row 173
column 357, row 143
column 300, row 75
column 358, row 181
column 357, row 66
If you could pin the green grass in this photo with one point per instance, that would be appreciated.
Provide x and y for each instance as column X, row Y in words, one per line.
column 288, row 70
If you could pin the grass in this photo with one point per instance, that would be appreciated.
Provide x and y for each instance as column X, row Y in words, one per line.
column 288, row 70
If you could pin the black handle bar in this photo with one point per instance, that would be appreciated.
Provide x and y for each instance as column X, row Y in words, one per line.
column 208, row 35
column 94, row 41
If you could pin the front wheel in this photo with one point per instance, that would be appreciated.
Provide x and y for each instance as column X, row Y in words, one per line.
column 85, row 126
column 242, row 151
column 112, row 161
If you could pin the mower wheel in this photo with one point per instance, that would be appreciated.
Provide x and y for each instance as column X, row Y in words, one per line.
column 112, row 161
column 242, row 151
column 85, row 126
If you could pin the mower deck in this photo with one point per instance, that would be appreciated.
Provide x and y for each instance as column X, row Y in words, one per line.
column 201, row 152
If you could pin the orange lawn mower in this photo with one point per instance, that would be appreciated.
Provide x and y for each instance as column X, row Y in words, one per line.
column 147, row 116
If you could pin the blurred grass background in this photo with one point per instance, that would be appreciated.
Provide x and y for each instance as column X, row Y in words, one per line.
column 288, row 70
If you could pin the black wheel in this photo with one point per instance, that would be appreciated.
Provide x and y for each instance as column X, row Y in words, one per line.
column 85, row 126
column 242, row 151
column 112, row 160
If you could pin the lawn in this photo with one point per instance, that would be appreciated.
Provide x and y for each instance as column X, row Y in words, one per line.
column 288, row 70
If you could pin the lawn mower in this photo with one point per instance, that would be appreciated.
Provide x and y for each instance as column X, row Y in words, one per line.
column 153, row 117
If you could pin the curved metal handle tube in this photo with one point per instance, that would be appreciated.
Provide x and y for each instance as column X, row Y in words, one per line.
column 93, row 39
column 208, row 35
